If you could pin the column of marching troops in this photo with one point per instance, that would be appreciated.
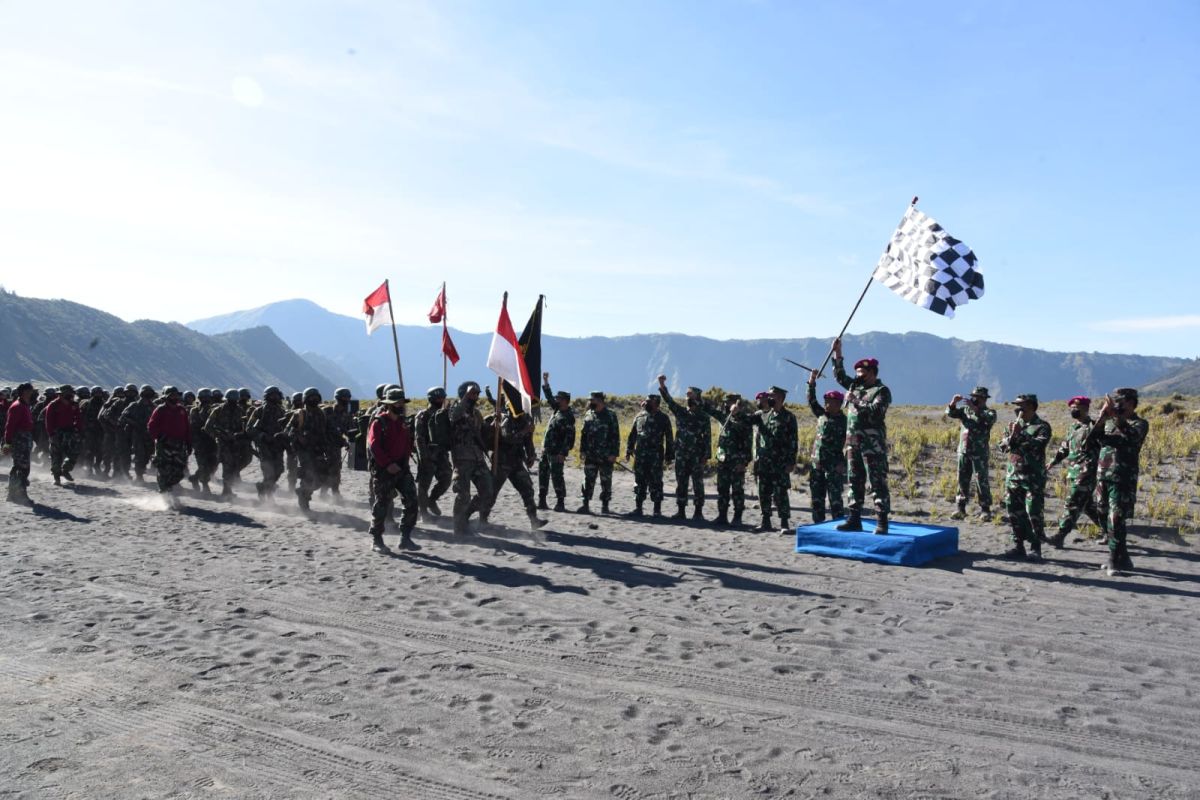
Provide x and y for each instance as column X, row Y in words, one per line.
column 117, row 434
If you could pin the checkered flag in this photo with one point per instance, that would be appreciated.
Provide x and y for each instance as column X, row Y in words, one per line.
column 929, row 267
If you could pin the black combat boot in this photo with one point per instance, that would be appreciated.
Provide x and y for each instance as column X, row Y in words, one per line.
column 1059, row 539
column 584, row 508
column 406, row 542
column 637, row 509
column 680, row 513
column 853, row 522
column 765, row 525
column 377, row 545
column 818, row 516
column 961, row 511
column 1017, row 551
column 722, row 516
column 542, row 504
column 785, row 527
column 1123, row 559
column 658, row 508
column 460, row 526
column 431, row 508
column 881, row 523
column 559, row 505
column 534, row 522
column 1035, row 551
column 985, row 514
column 603, row 506
column 737, row 518
column 697, row 516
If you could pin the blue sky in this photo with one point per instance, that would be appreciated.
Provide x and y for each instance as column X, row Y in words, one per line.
column 731, row 169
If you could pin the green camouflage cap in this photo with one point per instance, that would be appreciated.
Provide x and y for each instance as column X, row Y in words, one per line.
column 597, row 395
column 778, row 389
column 561, row 395
column 1023, row 398
column 695, row 390
column 1125, row 393
column 980, row 391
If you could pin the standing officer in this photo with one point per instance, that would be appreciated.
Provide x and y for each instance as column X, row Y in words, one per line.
column 976, row 421
column 1081, row 453
column 1121, row 433
column 777, row 459
column 557, row 443
column 1025, row 482
column 827, row 478
column 600, row 444
column 650, row 441
column 693, row 448
column 734, row 445
column 866, row 438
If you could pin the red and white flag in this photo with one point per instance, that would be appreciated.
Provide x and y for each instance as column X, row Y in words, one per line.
column 438, row 312
column 378, row 308
column 448, row 348
column 505, row 358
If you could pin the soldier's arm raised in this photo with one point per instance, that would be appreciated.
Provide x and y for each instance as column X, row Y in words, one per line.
column 813, row 405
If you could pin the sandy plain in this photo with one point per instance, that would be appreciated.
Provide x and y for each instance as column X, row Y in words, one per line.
column 233, row 649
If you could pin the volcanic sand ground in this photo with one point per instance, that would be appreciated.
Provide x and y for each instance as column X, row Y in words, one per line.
column 236, row 650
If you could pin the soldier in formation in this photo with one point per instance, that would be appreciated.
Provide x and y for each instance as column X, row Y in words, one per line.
column 975, row 420
column 469, row 456
column 827, row 476
column 651, row 444
column 776, row 459
column 868, row 400
column 434, row 442
column 306, row 429
column 64, row 430
column 599, row 446
column 390, row 440
column 513, row 454
column 171, row 434
column 340, row 428
column 1121, row 433
column 557, row 443
column 1025, row 482
column 203, row 444
column 734, row 452
column 1081, row 452
column 134, row 419
column 266, row 431
column 16, row 441
column 693, row 448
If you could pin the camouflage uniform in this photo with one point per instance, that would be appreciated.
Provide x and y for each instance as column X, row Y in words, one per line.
column 64, row 443
column 827, row 478
column 600, row 444
column 41, row 443
column 340, row 430
column 306, row 429
column 1025, row 481
column 776, row 460
column 265, row 429
column 204, row 445
column 226, row 426
column 93, row 434
column 1081, row 454
column 434, row 440
column 734, row 444
column 693, row 448
column 469, row 455
column 134, row 419
column 515, row 454
column 116, row 438
column 557, row 443
column 18, row 476
column 385, row 487
column 650, row 442
column 866, row 439
column 1120, row 447
column 973, row 440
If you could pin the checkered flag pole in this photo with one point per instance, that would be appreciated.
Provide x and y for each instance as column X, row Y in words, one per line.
column 928, row 267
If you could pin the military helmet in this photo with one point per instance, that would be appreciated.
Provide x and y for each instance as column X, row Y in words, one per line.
column 436, row 393
column 272, row 391
column 5, row 392
column 244, row 394
column 97, row 390
column 231, row 395
column 66, row 388
column 49, row 392
column 312, row 393
column 394, row 396
column 379, row 390
column 83, row 393
column 465, row 387
column 342, row 394
column 170, row 390
column 24, row 387
column 297, row 398
column 131, row 388
column 118, row 391
column 189, row 397
column 597, row 395
column 148, row 391
column 204, row 394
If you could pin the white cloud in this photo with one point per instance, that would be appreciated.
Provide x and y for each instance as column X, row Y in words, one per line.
column 1148, row 324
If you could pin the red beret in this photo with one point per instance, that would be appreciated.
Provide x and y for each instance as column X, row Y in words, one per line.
column 835, row 395
column 1079, row 400
column 761, row 395
column 872, row 363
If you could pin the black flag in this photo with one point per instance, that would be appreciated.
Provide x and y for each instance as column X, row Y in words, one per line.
column 530, row 342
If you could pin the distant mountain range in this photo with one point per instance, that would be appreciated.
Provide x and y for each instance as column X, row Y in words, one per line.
column 919, row 368
column 57, row 341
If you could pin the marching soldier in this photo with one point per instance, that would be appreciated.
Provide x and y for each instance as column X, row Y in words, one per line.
column 513, row 460
column 226, row 426
column 557, row 443
column 204, row 444
column 976, row 421
column 827, row 478
column 64, row 428
column 307, row 430
column 134, row 420
column 171, row 433
column 1081, row 453
column 693, row 448
column 469, row 455
column 599, row 446
column 93, row 431
column 1121, row 433
column 390, row 441
column 434, row 472
column 734, row 443
column 115, row 438
column 340, row 429
column 293, row 463
column 265, row 429
column 866, row 438
column 17, row 441
column 1025, row 482
column 650, row 441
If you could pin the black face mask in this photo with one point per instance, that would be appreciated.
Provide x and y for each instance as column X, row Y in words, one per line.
column 771, row 402
column 1076, row 413
column 692, row 402
column 592, row 405
column 1017, row 413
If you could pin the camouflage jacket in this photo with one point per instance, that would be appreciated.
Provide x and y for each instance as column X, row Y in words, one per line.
column 976, row 431
column 781, row 439
column 516, row 439
column 466, row 430
column 650, row 439
column 831, row 434
column 693, row 431
column 266, row 426
column 735, row 439
column 431, row 440
column 866, row 408
column 559, row 437
column 340, row 427
column 1080, row 453
column 760, row 438
column 225, row 423
column 91, row 414
column 1026, row 449
column 197, row 416
column 136, row 416
column 110, row 415
column 1120, row 446
column 307, row 430
column 601, row 436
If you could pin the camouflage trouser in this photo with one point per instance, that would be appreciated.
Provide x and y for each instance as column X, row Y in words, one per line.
column 592, row 469
column 1116, row 501
column 551, row 469
column 827, row 482
column 774, row 484
column 467, row 473
column 731, row 485
column 293, row 468
column 270, row 461
column 384, row 488
column 108, row 449
column 245, row 453
column 521, row 480
column 976, row 465
column 206, row 458
column 648, row 478
column 93, row 440
column 434, row 469
column 121, row 450
column 1024, row 500
column 142, row 449
column 64, row 449
column 690, row 470
column 866, row 460
column 230, row 471
column 18, row 476
column 333, row 469
column 1081, row 500
column 170, row 461
column 313, row 468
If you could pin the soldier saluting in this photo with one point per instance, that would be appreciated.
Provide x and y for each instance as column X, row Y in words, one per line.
column 1025, row 483
column 1121, row 433
column 734, row 444
column 693, row 447
column 976, row 421
column 1081, row 452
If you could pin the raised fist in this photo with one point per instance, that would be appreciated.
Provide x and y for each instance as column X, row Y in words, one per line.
column 662, row 380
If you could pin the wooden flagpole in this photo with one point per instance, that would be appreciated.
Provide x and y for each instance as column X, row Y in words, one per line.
column 853, row 311
column 496, row 414
column 395, row 341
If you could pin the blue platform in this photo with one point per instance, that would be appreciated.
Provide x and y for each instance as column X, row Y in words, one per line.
column 905, row 544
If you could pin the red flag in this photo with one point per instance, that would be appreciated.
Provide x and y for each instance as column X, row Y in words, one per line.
column 378, row 308
column 506, row 359
column 448, row 347
column 438, row 312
